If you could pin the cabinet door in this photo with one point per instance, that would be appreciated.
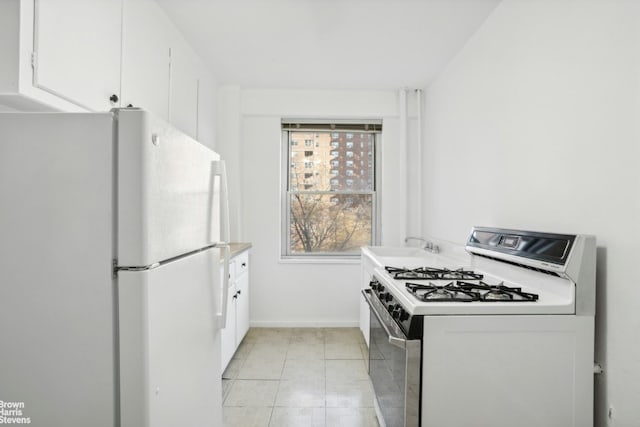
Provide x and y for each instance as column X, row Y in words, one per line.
column 242, row 307
column 183, row 99
column 228, row 333
column 206, row 108
column 77, row 50
column 146, row 41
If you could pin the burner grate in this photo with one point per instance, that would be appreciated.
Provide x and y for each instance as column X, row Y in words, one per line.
column 461, row 291
column 498, row 292
column 446, row 293
column 430, row 273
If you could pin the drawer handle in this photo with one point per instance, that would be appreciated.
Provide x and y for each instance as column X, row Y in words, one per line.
column 244, row 264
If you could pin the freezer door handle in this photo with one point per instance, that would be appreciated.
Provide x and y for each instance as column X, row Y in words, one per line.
column 220, row 170
column 221, row 316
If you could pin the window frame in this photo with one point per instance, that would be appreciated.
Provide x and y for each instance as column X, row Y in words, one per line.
column 285, row 215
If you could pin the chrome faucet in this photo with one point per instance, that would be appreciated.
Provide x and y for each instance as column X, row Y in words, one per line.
column 426, row 244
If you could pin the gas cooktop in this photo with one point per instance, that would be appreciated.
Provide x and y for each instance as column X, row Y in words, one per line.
column 431, row 273
column 468, row 292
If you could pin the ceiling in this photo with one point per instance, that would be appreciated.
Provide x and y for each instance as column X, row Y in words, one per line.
column 327, row 44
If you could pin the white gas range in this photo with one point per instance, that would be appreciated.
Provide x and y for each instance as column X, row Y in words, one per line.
column 501, row 335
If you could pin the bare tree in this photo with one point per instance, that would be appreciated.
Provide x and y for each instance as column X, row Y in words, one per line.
column 328, row 223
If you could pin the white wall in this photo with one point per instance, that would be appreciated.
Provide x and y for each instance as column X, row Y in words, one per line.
column 536, row 125
column 249, row 137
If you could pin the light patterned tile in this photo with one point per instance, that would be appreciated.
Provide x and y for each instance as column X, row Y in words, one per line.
column 246, row 416
column 232, row 369
column 252, row 393
column 351, row 417
column 342, row 350
column 307, row 335
column 261, row 369
column 352, row 394
column 364, row 349
column 343, row 335
column 265, row 350
column 244, row 349
column 226, row 388
column 305, row 350
column 340, row 371
column 297, row 417
column 270, row 335
column 301, row 394
column 295, row 369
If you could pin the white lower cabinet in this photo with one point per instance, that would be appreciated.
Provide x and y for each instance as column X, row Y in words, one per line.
column 237, row 323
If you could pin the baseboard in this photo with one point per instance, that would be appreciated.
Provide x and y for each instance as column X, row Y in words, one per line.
column 302, row 324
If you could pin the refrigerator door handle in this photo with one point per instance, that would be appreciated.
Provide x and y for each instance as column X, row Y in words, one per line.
column 220, row 170
column 221, row 316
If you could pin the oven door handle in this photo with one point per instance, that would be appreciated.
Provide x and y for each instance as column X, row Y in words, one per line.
column 395, row 338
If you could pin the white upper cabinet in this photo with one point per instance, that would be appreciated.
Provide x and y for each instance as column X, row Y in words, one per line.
column 162, row 74
column 77, row 47
column 146, row 46
column 94, row 55
column 206, row 108
column 183, row 95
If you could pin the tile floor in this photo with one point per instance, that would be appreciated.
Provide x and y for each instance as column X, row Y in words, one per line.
column 299, row 377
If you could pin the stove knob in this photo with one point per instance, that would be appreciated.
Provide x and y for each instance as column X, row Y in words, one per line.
column 396, row 313
column 388, row 297
column 403, row 316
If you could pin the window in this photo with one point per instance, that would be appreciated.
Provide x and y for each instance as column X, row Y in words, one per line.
column 308, row 153
column 335, row 213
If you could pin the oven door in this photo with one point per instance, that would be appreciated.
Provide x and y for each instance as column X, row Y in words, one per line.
column 394, row 368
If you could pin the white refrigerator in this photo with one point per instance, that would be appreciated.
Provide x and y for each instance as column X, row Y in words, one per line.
column 112, row 236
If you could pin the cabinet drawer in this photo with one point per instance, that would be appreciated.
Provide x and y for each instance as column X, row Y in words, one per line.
column 242, row 263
